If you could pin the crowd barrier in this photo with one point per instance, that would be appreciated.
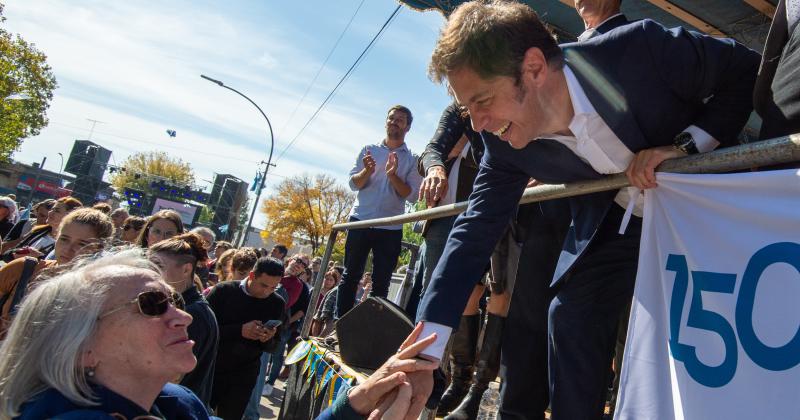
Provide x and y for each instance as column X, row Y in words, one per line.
column 743, row 157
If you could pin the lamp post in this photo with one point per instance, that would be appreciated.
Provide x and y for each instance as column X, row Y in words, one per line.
column 269, row 159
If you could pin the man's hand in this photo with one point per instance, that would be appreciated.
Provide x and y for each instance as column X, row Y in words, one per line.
column 369, row 162
column 253, row 330
column 434, row 186
column 366, row 397
column 641, row 171
column 391, row 164
column 267, row 333
column 532, row 183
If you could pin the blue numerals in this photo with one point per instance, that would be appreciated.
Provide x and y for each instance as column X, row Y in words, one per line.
column 771, row 358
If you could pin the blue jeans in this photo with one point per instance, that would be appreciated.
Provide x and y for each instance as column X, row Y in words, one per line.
column 277, row 357
column 251, row 412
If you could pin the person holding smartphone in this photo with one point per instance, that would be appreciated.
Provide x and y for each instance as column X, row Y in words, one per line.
column 243, row 310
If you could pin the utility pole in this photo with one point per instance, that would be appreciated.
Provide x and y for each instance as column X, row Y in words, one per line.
column 36, row 180
column 91, row 130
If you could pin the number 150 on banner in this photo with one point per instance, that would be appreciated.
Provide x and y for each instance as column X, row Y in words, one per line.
column 778, row 358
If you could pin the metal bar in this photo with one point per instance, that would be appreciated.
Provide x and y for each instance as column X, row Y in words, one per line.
column 323, row 268
column 762, row 153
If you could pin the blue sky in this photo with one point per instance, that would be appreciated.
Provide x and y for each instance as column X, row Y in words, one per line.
column 136, row 65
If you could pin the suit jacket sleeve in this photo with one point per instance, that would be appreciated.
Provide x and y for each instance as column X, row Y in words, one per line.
column 492, row 203
column 723, row 75
column 449, row 131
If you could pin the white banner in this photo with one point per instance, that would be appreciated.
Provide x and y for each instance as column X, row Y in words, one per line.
column 715, row 324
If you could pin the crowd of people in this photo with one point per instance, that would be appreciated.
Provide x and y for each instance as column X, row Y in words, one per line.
column 106, row 314
column 236, row 310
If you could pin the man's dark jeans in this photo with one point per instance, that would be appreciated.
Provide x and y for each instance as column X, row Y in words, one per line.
column 385, row 247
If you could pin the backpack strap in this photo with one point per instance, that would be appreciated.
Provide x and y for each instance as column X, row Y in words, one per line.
column 22, row 284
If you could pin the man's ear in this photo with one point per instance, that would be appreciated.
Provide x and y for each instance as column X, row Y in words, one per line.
column 187, row 268
column 251, row 276
column 534, row 67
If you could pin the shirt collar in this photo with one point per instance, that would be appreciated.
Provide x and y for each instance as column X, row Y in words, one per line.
column 401, row 148
column 580, row 102
column 607, row 19
column 243, row 285
column 581, row 107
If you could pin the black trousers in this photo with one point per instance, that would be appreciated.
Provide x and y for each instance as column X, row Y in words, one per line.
column 232, row 392
column 584, row 316
column 524, row 390
column 385, row 247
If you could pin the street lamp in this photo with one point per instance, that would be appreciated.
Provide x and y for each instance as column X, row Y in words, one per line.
column 269, row 160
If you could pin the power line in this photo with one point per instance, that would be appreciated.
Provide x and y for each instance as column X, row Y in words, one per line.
column 322, row 67
column 342, row 80
column 160, row 144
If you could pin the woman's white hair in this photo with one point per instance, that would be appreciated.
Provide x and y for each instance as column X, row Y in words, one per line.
column 11, row 205
column 54, row 324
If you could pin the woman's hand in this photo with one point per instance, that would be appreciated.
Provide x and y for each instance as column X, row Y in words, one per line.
column 388, row 391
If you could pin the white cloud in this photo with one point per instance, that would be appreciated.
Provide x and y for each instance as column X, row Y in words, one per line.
column 136, row 66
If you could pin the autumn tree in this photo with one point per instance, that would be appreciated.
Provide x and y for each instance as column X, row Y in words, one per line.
column 140, row 168
column 26, row 89
column 307, row 207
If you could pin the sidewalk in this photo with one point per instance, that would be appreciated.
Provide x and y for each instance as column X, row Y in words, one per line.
column 271, row 406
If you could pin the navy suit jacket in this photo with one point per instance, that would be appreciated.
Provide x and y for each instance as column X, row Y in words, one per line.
column 648, row 83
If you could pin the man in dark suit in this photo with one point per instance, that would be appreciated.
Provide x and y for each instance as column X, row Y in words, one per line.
column 599, row 16
column 624, row 101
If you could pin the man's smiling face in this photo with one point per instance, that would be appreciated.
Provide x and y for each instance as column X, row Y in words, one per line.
column 498, row 105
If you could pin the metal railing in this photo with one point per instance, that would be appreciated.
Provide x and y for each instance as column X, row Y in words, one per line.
column 763, row 153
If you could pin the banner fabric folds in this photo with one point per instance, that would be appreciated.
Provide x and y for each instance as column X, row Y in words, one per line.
column 714, row 331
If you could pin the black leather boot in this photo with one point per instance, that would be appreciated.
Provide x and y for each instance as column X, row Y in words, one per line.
column 486, row 369
column 462, row 359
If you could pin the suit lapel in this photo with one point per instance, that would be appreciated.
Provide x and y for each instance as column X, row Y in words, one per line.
column 607, row 98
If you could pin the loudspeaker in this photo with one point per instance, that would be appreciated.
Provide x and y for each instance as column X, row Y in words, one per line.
column 371, row 332
column 87, row 159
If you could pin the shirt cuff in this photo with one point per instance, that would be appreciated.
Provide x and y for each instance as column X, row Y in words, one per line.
column 704, row 141
column 435, row 350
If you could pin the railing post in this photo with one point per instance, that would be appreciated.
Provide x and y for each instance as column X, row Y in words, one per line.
column 318, row 282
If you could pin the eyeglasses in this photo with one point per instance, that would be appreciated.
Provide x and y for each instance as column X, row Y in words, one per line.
column 129, row 227
column 152, row 303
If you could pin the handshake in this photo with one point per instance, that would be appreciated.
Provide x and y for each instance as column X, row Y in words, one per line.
column 399, row 389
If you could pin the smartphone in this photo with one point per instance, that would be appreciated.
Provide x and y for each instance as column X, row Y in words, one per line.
column 21, row 251
column 274, row 323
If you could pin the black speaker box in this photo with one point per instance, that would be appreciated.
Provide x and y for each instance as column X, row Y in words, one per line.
column 371, row 332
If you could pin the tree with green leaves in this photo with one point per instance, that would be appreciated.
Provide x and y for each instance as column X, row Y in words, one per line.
column 140, row 169
column 26, row 89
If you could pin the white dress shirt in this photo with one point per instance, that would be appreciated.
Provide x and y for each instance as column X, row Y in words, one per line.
column 597, row 145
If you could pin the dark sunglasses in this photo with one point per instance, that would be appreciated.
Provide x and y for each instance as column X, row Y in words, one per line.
column 152, row 303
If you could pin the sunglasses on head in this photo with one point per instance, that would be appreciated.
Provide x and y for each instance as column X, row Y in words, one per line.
column 152, row 303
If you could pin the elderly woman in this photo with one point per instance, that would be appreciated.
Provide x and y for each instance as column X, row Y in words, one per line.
column 81, row 232
column 8, row 215
column 162, row 225
column 100, row 341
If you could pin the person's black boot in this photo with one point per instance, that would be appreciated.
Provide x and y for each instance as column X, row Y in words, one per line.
column 462, row 359
column 486, row 368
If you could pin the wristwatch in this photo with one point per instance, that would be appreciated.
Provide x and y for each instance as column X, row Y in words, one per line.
column 685, row 143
